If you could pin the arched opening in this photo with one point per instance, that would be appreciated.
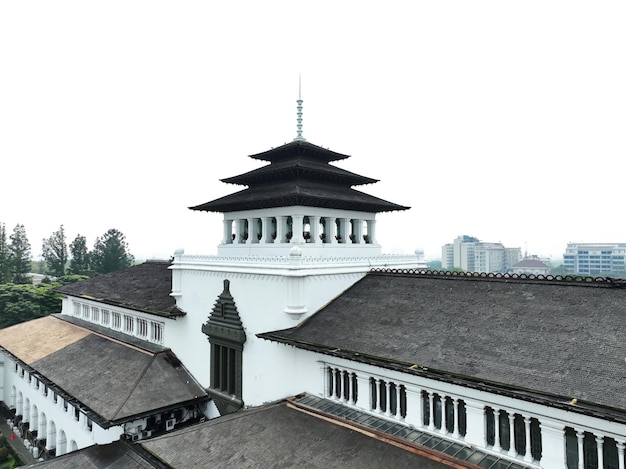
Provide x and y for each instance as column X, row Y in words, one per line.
column 34, row 421
column 273, row 230
column 13, row 397
column 19, row 408
column 306, row 230
column 289, row 233
column 324, row 230
column 42, row 433
column 61, row 443
column 51, row 441
column 73, row 446
column 365, row 232
column 26, row 410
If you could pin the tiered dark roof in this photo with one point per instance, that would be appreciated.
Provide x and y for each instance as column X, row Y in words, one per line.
column 299, row 173
column 546, row 339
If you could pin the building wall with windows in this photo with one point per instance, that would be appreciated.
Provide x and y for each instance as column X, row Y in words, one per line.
column 595, row 258
column 514, row 429
column 46, row 416
column 472, row 255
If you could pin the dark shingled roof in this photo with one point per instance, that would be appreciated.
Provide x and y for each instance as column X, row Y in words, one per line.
column 117, row 455
column 113, row 381
column 299, row 168
column 145, row 287
column 299, row 174
column 278, row 436
column 553, row 339
column 299, row 148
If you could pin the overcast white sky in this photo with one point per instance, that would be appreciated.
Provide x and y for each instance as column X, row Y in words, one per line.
column 501, row 120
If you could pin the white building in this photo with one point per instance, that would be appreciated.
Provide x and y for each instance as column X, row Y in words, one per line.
column 531, row 265
column 595, row 258
column 472, row 255
column 300, row 305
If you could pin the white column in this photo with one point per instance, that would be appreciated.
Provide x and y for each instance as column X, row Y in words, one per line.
column 240, row 225
column 431, row 406
column 580, row 435
column 297, row 224
column 324, row 372
column 266, row 236
column 600, row 448
column 512, row 450
column 528, row 456
column 414, row 415
column 398, row 404
column 455, row 416
column 357, row 229
column 351, row 398
column 281, row 229
column 496, row 439
column 476, row 424
column 363, row 386
column 371, row 231
column 228, row 232
column 621, row 445
column 314, row 228
column 344, row 230
column 552, row 444
column 331, row 230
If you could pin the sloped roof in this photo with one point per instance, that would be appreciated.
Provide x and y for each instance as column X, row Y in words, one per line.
column 557, row 339
column 299, row 174
column 299, row 192
column 299, row 168
column 113, row 380
column 116, row 455
column 299, row 148
column 530, row 263
column 144, row 287
column 278, row 436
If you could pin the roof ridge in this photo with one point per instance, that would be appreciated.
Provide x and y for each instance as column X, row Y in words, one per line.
column 139, row 378
column 575, row 280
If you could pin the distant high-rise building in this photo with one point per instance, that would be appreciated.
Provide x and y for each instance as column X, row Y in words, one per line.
column 471, row 254
column 595, row 258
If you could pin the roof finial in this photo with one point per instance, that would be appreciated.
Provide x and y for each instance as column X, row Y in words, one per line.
column 299, row 137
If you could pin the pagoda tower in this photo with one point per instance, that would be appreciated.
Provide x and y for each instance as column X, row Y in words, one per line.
column 299, row 198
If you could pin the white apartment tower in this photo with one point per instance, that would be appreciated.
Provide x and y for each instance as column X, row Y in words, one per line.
column 472, row 255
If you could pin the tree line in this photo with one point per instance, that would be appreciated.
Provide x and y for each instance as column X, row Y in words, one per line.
column 110, row 253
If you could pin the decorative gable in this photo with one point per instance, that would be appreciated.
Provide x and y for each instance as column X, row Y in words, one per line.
column 224, row 323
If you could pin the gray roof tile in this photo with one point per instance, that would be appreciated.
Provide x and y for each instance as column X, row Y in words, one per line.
column 557, row 338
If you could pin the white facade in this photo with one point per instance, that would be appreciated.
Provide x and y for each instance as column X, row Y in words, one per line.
column 470, row 254
column 595, row 258
column 63, row 425
column 270, row 293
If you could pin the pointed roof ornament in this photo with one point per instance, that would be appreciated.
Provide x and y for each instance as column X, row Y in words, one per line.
column 299, row 137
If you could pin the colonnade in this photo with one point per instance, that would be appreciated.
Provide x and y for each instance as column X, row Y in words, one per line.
column 299, row 229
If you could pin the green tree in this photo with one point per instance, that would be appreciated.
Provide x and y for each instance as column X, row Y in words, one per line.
column 5, row 256
column 19, row 253
column 20, row 303
column 79, row 265
column 54, row 252
column 110, row 253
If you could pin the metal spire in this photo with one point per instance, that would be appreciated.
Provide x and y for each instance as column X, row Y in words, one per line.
column 299, row 137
